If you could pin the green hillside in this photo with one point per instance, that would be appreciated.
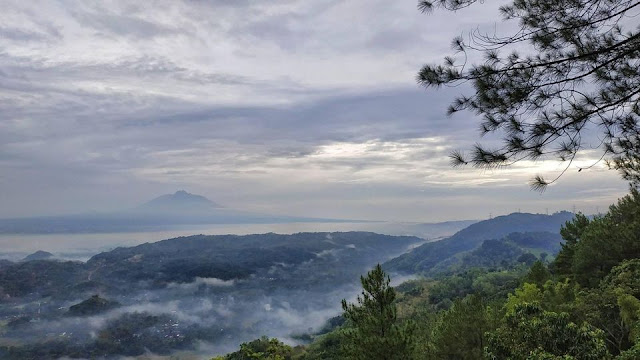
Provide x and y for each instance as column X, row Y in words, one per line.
column 425, row 258
column 584, row 304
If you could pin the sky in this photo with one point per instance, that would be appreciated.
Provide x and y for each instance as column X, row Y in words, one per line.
column 307, row 108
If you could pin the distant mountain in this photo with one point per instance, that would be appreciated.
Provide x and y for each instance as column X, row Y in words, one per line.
column 433, row 230
column 179, row 201
column 38, row 255
column 426, row 257
column 161, row 213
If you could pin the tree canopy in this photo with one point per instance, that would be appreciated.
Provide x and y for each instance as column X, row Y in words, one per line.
column 567, row 80
column 593, row 247
column 374, row 333
column 531, row 333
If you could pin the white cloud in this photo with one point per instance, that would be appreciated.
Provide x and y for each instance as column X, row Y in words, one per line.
column 287, row 106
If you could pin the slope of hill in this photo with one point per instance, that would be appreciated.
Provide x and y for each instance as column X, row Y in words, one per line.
column 229, row 257
column 38, row 255
column 178, row 293
column 92, row 306
column 426, row 257
column 503, row 253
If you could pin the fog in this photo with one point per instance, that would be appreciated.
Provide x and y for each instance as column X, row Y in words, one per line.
column 207, row 315
column 238, row 315
column 82, row 246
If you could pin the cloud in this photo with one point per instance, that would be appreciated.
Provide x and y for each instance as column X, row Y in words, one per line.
column 17, row 34
column 199, row 281
column 123, row 25
column 257, row 105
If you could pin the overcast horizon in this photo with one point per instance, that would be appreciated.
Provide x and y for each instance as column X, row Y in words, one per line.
column 286, row 107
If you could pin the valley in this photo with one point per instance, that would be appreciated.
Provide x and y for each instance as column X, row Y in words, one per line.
column 206, row 294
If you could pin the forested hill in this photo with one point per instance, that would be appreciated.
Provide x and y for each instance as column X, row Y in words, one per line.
column 236, row 257
column 426, row 257
column 175, row 294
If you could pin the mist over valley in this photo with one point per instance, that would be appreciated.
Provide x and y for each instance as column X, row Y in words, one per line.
column 205, row 294
column 320, row 180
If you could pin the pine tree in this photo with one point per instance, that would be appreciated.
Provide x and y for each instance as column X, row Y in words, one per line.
column 538, row 274
column 568, row 79
column 375, row 333
column 571, row 233
column 459, row 333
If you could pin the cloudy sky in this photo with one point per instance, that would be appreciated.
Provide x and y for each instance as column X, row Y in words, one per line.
column 290, row 107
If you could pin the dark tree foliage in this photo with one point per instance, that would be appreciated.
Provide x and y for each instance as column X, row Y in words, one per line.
column 571, row 233
column 375, row 333
column 538, row 274
column 527, row 258
column 492, row 254
column 326, row 347
column 577, row 80
column 92, row 306
column 460, row 331
column 604, row 306
column 593, row 248
column 261, row 349
column 532, row 333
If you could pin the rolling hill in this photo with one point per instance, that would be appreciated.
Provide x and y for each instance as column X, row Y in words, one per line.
column 431, row 256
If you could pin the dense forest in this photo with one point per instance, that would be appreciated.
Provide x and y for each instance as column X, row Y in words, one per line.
column 584, row 303
column 176, row 294
column 519, row 286
column 202, row 294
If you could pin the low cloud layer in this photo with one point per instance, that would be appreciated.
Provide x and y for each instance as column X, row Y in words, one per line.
column 284, row 107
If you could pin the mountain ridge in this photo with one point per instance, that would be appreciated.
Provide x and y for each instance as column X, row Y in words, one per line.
column 162, row 212
column 426, row 257
column 180, row 200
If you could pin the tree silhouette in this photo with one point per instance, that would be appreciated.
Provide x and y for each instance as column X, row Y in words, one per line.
column 374, row 332
column 576, row 86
